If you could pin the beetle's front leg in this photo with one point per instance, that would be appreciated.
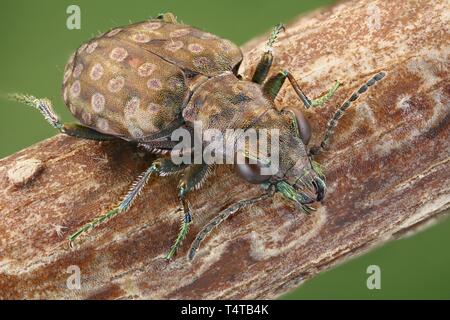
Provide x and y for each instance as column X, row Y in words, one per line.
column 71, row 129
column 273, row 85
column 193, row 178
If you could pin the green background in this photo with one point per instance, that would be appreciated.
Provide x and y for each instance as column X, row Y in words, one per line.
column 35, row 44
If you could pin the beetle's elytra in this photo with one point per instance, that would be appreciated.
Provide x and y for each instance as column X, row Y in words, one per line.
column 143, row 81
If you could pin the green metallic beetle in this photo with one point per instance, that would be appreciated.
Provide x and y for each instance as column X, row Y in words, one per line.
column 143, row 81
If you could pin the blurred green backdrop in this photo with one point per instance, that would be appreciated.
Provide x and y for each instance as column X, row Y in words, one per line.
column 36, row 45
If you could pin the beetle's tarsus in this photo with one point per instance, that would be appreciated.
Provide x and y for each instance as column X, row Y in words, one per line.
column 326, row 97
column 124, row 205
column 193, row 178
column 46, row 109
column 43, row 105
column 274, row 35
column 184, row 229
column 273, row 86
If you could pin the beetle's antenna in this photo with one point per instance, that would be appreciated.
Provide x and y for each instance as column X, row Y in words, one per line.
column 333, row 122
column 222, row 216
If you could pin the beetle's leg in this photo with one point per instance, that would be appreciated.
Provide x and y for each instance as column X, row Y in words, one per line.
column 167, row 17
column 160, row 166
column 193, row 179
column 72, row 129
column 333, row 122
column 79, row 131
column 273, row 85
column 263, row 67
column 222, row 216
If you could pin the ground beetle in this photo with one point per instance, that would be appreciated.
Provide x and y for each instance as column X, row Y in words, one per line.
column 143, row 81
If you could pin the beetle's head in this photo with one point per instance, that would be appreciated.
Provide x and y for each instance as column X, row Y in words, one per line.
column 288, row 165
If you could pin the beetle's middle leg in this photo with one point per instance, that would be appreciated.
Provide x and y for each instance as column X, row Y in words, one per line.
column 160, row 166
column 192, row 179
column 263, row 67
column 273, row 85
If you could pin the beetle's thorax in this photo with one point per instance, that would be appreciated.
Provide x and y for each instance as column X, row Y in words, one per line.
column 226, row 102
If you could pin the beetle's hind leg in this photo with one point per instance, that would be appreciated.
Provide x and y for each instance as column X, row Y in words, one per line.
column 193, row 179
column 160, row 166
column 46, row 109
column 263, row 67
column 273, row 85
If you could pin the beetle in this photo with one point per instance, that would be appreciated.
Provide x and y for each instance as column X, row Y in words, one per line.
column 141, row 82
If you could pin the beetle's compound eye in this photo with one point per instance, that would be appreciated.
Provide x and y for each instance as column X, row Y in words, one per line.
column 251, row 172
column 302, row 124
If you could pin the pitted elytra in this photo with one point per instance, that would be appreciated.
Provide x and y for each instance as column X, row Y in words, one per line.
column 142, row 82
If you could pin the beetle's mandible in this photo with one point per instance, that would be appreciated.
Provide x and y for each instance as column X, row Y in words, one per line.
column 141, row 82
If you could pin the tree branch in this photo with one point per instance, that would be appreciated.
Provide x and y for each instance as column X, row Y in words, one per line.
column 387, row 170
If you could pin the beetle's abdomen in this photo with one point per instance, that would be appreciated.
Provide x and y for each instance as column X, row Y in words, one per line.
column 119, row 88
column 185, row 46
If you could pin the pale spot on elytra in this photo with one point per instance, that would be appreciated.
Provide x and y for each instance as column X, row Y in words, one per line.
column 98, row 102
column 154, row 84
column 72, row 108
column 116, row 84
column 179, row 33
column 82, row 48
column 78, row 69
column 135, row 131
column 146, row 69
column 102, row 124
column 226, row 45
column 67, row 75
column 195, row 48
column 153, row 107
column 92, row 47
column 96, row 72
column 131, row 107
column 152, row 25
column 65, row 95
column 175, row 83
column 71, row 58
column 208, row 36
column 140, row 37
column 86, row 116
column 113, row 32
column 173, row 45
column 75, row 89
column 118, row 54
column 144, row 117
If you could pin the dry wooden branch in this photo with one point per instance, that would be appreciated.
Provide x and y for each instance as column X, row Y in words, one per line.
column 388, row 172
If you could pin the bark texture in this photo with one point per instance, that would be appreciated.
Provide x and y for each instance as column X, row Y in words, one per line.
column 387, row 170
